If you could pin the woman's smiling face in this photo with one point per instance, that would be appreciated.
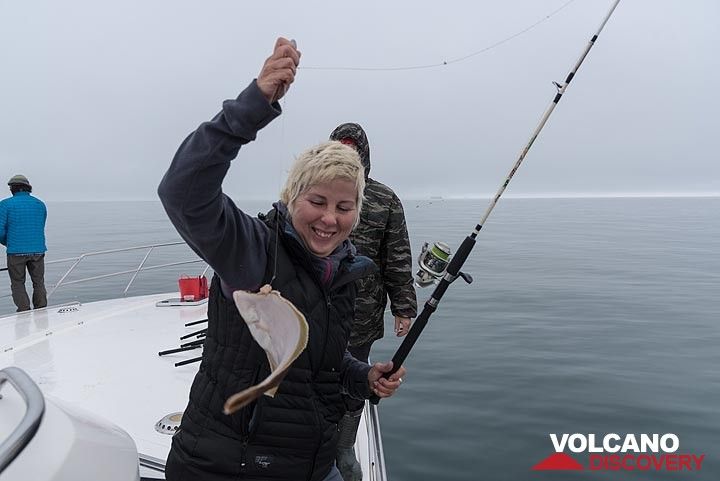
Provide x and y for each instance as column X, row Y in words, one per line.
column 324, row 215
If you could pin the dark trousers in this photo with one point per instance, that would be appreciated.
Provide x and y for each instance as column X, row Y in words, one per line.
column 361, row 353
column 35, row 265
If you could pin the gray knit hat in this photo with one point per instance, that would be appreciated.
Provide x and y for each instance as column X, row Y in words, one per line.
column 19, row 179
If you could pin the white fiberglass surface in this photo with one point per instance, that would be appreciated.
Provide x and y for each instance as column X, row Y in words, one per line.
column 103, row 357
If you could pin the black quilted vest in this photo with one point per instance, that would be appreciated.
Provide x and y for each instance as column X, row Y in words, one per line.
column 292, row 436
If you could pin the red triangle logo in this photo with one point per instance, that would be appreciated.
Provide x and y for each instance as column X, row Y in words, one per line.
column 558, row 462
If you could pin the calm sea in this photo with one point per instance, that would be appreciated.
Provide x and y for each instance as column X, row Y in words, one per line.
column 589, row 316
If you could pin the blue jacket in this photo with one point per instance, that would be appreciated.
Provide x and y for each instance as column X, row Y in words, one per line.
column 22, row 224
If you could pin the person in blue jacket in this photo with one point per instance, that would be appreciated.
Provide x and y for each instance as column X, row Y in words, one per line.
column 22, row 232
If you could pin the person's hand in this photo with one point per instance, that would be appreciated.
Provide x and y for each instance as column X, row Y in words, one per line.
column 381, row 386
column 402, row 325
column 278, row 71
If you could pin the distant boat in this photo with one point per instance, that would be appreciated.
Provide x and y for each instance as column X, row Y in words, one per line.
column 86, row 395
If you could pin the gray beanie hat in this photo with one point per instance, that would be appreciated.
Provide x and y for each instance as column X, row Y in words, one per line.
column 19, row 179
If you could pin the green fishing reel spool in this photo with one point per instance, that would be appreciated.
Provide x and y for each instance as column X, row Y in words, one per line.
column 433, row 262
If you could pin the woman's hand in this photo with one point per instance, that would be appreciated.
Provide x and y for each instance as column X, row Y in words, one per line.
column 381, row 386
column 278, row 71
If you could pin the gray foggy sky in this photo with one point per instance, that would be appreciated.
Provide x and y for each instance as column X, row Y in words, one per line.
column 96, row 96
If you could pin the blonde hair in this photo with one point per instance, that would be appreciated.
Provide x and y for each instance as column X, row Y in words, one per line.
column 324, row 163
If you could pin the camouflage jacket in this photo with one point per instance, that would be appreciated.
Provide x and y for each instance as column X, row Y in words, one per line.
column 382, row 236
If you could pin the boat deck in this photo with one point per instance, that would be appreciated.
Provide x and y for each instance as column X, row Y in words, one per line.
column 103, row 357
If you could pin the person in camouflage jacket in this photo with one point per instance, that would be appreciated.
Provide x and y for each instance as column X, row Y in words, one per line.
column 382, row 236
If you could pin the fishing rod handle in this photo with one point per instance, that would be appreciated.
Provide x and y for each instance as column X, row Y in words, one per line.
column 460, row 256
column 417, row 327
column 410, row 338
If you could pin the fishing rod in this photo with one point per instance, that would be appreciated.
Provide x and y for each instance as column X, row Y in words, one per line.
column 457, row 261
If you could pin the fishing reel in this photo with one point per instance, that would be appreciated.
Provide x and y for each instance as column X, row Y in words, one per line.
column 433, row 262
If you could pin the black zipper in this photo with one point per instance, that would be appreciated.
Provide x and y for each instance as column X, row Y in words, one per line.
column 248, row 421
column 243, row 454
column 328, row 304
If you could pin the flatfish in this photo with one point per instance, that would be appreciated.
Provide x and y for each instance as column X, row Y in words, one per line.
column 280, row 329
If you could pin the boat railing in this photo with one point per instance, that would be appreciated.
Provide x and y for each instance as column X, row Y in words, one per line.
column 28, row 426
column 141, row 267
column 377, row 450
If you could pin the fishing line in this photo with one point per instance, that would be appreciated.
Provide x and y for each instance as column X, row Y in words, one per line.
column 279, row 188
column 284, row 87
column 452, row 61
column 457, row 261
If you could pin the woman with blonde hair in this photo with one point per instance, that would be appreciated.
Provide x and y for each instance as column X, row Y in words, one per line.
column 302, row 248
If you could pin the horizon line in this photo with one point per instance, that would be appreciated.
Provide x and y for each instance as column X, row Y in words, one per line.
column 638, row 195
